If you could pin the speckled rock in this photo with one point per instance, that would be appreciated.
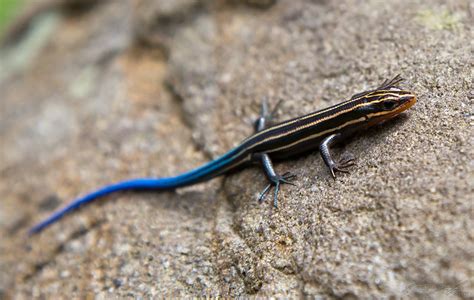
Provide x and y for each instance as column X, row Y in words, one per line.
column 153, row 88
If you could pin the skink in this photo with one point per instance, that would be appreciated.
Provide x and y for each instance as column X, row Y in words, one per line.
column 319, row 129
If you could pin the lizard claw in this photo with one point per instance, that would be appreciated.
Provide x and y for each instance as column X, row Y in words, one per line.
column 286, row 178
column 341, row 166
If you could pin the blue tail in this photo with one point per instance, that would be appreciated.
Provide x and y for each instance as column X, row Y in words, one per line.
column 205, row 172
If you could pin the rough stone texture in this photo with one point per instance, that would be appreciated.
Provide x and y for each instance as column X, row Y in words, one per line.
column 153, row 88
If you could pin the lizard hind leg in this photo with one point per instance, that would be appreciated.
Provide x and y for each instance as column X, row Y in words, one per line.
column 286, row 178
column 275, row 179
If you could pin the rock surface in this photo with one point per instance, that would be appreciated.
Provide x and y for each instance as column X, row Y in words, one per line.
column 154, row 88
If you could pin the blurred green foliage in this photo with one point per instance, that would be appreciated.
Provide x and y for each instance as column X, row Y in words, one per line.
column 8, row 11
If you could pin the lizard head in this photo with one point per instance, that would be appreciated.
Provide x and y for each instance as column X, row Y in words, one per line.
column 386, row 101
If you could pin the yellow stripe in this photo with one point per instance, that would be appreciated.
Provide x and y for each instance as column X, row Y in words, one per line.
column 234, row 164
column 316, row 135
column 270, row 138
column 302, row 118
column 320, row 112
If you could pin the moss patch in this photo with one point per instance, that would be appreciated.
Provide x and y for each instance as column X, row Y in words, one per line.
column 8, row 10
column 438, row 19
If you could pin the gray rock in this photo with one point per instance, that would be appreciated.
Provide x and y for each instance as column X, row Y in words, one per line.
column 93, row 106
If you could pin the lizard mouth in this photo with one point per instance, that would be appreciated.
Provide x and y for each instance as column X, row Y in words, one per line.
column 407, row 102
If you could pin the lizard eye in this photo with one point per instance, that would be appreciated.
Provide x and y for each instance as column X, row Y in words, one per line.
column 388, row 105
